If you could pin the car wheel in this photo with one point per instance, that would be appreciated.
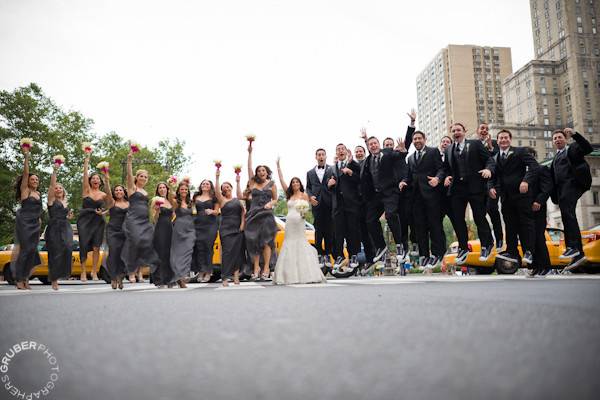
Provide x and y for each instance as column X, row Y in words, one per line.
column 8, row 274
column 504, row 267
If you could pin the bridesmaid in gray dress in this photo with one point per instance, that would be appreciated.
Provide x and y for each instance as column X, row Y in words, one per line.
column 25, row 255
column 118, row 204
column 231, row 232
column 139, row 251
column 206, row 224
column 260, row 221
column 162, row 216
column 184, row 236
column 90, row 223
column 59, row 234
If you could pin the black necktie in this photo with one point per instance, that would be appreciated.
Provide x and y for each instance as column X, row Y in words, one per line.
column 318, row 167
column 504, row 156
column 418, row 155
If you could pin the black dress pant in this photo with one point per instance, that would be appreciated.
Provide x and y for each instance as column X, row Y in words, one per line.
column 406, row 216
column 494, row 213
column 384, row 202
column 459, row 199
column 567, row 203
column 518, row 218
column 541, row 257
column 323, row 222
column 346, row 227
column 365, row 238
column 428, row 217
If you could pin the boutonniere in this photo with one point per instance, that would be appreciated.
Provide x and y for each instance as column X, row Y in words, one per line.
column 467, row 146
column 509, row 153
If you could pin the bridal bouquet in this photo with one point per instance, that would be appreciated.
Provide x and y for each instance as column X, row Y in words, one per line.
column 58, row 159
column 86, row 147
column 302, row 207
column 157, row 201
column 103, row 166
column 134, row 146
column 237, row 169
column 217, row 163
column 26, row 143
column 172, row 181
column 251, row 137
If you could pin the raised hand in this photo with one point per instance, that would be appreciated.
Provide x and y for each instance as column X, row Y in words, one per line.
column 412, row 115
column 349, row 154
column 401, row 147
column 363, row 133
column 568, row 132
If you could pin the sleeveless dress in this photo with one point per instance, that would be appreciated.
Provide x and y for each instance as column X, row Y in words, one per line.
column 139, row 232
column 260, row 223
column 163, row 231
column 298, row 261
column 90, row 227
column 115, row 236
column 59, row 242
column 25, row 255
column 232, row 239
column 182, row 244
column 206, row 233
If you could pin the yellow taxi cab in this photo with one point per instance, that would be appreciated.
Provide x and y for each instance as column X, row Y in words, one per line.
column 555, row 243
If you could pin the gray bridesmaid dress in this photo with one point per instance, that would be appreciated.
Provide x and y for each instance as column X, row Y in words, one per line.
column 115, row 236
column 260, row 223
column 232, row 239
column 138, row 250
column 163, row 232
column 90, row 227
column 59, row 242
column 27, row 236
column 182, row 244
column 206, row 233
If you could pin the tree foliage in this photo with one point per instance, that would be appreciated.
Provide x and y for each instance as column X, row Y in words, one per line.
column 27, row 112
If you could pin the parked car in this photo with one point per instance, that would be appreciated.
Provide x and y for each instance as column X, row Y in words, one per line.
column 556, row 246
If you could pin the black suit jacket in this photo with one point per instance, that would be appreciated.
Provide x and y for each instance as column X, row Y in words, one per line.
column 392, row 169
column 319, row 189
column 478, row 158
column 430, row 164
column 346, row 191
column 581, row 176
column 519, row 166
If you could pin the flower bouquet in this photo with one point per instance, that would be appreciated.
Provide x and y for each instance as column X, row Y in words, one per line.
column 237, row 169
column 172, row 181
column 103, row 166
column 58, row 159
column 157, row 201
column 251, row 137
column 86, row 147
column 135, row 147
column 302, row 207
column 217, row 163
column 26, row 143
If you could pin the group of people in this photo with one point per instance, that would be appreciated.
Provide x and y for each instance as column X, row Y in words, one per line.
column 174, row 232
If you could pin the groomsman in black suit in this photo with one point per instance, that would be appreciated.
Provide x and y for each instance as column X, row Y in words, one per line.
column 540, row 189
column 379, row 186
column 467, row 166
column 483, row 132
column 445, row 142
column 425, row 174
column 572, row 178
column 515, row 171
column 360, row 155
column 320, row 200
column 345, row 188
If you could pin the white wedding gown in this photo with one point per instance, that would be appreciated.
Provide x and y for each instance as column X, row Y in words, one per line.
column 298, row 261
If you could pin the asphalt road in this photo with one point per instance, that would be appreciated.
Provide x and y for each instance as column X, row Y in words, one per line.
column 368, row 338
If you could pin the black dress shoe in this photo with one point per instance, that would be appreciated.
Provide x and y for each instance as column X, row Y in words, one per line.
column 569, row 253
column 485, row 253
column 528, row 258
column 499, row 245
column 461, row 257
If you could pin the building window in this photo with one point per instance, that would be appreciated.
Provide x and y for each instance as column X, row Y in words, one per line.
column 595, row 200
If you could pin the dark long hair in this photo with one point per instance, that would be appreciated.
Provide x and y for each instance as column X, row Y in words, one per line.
column 211, row 192
column 90, row 180
column 167, row 186
column 188, row 201
column 125, row 197
column 18, row 185
column 290, row 192
column 226, row 183
column 257, row 179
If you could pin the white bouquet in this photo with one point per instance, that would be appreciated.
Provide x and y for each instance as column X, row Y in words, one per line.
column 302, row 207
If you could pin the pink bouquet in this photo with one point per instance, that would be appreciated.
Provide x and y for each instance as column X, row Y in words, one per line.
column 58, row 159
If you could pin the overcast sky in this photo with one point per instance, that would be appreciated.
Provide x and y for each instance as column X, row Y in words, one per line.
column 298, row 74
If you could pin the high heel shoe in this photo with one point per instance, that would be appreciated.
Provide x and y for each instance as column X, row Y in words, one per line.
column 113, row 284
column 83, row 277
column 55, row 285
column 120, row 285
column 21, row 285
column 225, row 282
column 181, row 283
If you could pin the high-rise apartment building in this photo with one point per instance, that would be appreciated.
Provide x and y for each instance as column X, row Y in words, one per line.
column 463, row 83
column 561, row 87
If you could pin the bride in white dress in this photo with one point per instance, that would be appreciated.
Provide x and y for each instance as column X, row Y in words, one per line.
column 298, row 261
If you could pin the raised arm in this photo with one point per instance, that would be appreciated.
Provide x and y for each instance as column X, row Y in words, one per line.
column 238, row 188
column 52, row 185
column 218, row 193
column 250, row 169
column 243, row 223
column 411, row 129
column 25, row 178
column 130, row 181
column 284, row 186
column 86, row 182
column 109, row 199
